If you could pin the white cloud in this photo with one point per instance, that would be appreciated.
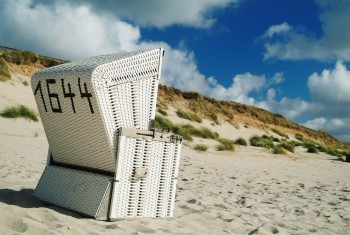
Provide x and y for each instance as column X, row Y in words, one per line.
column 180, row 70
column 240, row 90
column 277, row 29
column 245, row 86
column 159, row 13
column 286, row 43
column 63, row 31
column 338, row 127
column 276, row 79
column 296, row 46
column 331, row 101
column 292, row 109
column 330, row 92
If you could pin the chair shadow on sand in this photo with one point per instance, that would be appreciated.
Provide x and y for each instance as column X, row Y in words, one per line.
column 24, row 198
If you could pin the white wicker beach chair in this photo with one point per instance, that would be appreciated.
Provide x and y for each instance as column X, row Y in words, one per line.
column 105, row 160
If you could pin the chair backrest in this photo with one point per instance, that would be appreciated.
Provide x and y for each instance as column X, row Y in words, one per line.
column 83, row 104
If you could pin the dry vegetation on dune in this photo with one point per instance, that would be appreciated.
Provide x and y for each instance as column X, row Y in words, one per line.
column 189, row 103
column 17, row 57
column 232, row 112
column 4, row 70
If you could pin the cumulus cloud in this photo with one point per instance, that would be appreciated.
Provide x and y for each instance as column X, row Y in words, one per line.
column 180, row 70
column 330, row 92
column 241, row 89
column 287, row 43
column 63, row 31
column 292, row 109
column 159, row 13
column 246, row 86
column 331, row 101
column 336, row 126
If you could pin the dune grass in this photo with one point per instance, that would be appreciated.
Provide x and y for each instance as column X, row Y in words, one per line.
column 295, row 143
column 280, row 133
column 263, row 141
column 311, row 148
column 336, row 152
column 188, row 116
column 300, row 137
column 28, row 57
column 162, row 111
column 4, row 71
column 241, row 141
column 163, row 123
column 225, row 145
column 278, row 150
column 201, row 147
column 19, row 111
column 204, row 133
column 186, row 131
column 287, row 146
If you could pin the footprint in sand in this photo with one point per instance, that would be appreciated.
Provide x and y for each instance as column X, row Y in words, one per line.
column 19, row 226
column 112, row 226
column 272, row 229
column 191, row 201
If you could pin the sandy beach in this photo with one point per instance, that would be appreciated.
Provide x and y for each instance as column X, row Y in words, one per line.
column 249, row 191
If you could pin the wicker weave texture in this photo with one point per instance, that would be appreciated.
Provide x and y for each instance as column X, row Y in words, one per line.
column 83, row 104
column 76, row 190
column 127, row 91
column 152, row 195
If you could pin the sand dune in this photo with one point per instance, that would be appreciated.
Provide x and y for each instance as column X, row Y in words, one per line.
column 249, row 191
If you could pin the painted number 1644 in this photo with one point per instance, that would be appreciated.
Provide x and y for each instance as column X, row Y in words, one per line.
column 54, row 98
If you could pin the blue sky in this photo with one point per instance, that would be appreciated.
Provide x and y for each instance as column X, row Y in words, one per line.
column 290, row 57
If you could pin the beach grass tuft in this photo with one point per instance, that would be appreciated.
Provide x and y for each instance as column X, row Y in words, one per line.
column 241, row 141
column 4, row 71
column 278, row 150
column 225, row 145
column 263, row 141
column 287, row 146
column 188, row 116
column 19, row 111
column 201, row 147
